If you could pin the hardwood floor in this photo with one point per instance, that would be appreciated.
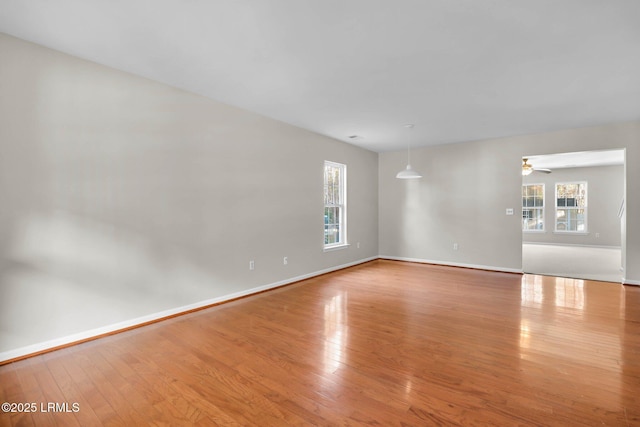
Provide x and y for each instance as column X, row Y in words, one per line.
column 384, row 343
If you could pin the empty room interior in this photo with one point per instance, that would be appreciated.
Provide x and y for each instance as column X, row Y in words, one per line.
column 319, row 213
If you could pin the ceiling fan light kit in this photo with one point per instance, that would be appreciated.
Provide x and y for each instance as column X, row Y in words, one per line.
column 527, row 168
column 409, row 172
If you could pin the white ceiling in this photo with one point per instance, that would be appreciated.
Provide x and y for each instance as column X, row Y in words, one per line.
column 459, row 69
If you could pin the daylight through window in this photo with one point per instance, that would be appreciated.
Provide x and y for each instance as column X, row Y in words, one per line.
column 571, row 207
column 533, row 207
column 335, row 204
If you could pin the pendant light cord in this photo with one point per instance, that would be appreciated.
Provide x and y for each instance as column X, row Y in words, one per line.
column 410, row 127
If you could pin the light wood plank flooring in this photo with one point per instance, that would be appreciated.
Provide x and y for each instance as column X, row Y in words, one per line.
column 384, row 343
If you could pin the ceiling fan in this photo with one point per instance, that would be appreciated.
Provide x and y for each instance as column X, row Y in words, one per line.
column 527, row 169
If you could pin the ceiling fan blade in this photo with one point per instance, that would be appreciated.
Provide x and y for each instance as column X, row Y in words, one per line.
column 542, row 170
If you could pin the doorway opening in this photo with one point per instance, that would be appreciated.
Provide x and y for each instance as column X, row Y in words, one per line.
column 573, row 216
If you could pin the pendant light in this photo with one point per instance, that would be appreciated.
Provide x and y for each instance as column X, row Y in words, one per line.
column 409, row 172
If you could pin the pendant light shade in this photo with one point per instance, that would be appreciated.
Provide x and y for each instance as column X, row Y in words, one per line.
column 409, row 172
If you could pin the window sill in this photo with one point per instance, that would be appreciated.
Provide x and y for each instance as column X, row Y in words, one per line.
column 335, row 247
column 534, row 231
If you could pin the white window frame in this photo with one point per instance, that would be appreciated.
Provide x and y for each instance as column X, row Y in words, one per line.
column 341, row 204
column 540, row 208
column 585, row 208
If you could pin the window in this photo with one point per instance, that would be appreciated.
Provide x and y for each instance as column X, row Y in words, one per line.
column 335, row 204
column 533, row 207
column 571, row 207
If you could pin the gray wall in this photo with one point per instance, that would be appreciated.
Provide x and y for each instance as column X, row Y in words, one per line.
column 467, row 187
column 605, row 187
column 122, row 197
column 461, row 199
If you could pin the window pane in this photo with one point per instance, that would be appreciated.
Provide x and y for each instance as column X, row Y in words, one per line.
column 572, row 224
column 532, row 219
column 561, row 223
column 580, row 220
column 582, row 195
column 539, row 225
column 332, row 194
column 329, row 234
column 336, row 186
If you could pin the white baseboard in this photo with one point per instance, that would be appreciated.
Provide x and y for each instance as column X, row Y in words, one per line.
column 127, row 324
column 631, row 282
column 453, row 264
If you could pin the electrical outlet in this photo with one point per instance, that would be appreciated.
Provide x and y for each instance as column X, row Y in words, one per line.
column 252, row 265
column 509, row 211
column 358, row 245
column 455, row 246
column 285, row 261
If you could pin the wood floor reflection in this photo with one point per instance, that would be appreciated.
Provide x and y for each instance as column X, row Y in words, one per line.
column 383, row 343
